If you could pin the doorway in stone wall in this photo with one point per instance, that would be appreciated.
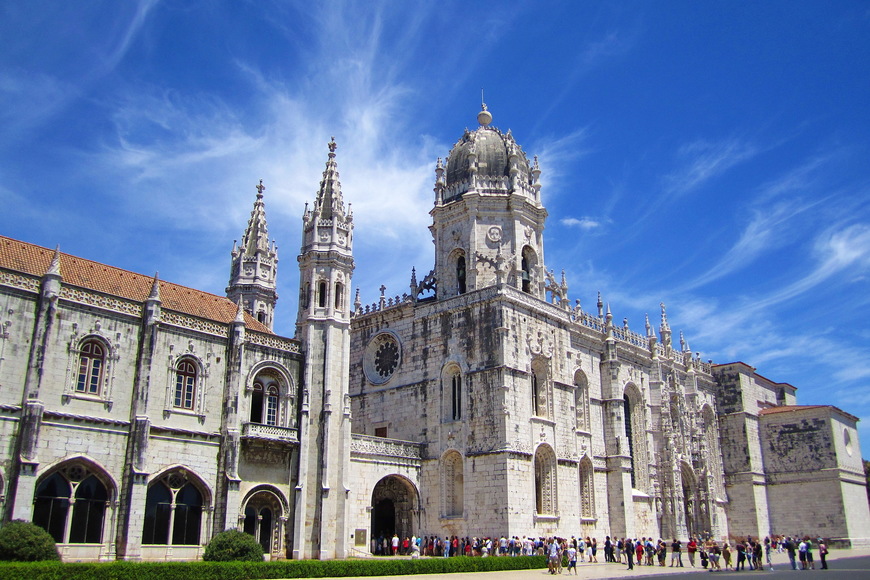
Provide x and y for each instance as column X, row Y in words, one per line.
column 394, row 507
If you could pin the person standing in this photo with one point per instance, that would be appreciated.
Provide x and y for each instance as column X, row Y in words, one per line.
column 823, row 553
column 628, row 548
column 676, row 553
column 691, row 548
column 789, row 548
column 572, row 559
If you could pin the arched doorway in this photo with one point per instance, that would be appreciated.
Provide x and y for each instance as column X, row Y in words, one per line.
column 692, row 508
column 394, row 507
column 265, row 519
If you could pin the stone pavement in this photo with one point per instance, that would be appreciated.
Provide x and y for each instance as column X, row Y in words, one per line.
column 603, row 571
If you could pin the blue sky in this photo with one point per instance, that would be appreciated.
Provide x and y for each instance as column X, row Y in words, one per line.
column 714, row 156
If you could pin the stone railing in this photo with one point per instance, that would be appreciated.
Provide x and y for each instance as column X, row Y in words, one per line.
column 368, row 445
column 270, row 432
column 272, row 341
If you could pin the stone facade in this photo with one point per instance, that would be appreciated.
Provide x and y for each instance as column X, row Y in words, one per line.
column 142, row 417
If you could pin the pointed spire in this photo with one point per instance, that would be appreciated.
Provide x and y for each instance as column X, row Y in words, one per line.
column 240, row 311
column 664, row 317
column 256, row 237
column 155, row 288
column 647, row 325
column 54, row 267
column 329, row 201
column 600, row 306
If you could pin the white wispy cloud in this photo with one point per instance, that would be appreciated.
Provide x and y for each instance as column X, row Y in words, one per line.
column 704, row 160
column 584, row 223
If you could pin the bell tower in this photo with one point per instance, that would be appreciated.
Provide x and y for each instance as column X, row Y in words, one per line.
column 323, row 326
column 254, row 268
column 488, row 220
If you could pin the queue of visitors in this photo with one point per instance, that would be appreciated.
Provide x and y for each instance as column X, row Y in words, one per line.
column 645, row 551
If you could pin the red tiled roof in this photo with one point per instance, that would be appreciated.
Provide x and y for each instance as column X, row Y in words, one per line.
column 34, row 260
column 789, row 408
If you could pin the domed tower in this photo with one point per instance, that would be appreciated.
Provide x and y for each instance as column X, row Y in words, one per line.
column 254, row 269
column 488, row 221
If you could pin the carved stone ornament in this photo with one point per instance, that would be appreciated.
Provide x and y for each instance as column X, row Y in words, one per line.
column 540, row 345
column 494, row 234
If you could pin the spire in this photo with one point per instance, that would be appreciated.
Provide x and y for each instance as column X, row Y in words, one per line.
column 647, row 325
column 254, row 266
column 155, row 288
column 54, row 267
column 329, row 201
column 240, row 311
column 256, row 236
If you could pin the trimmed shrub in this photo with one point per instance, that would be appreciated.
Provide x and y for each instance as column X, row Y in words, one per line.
column 233, row 545
column 22, row 541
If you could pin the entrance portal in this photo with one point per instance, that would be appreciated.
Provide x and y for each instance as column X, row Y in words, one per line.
column 394, row 507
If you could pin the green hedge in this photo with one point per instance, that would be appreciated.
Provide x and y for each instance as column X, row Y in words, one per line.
column 257, row 570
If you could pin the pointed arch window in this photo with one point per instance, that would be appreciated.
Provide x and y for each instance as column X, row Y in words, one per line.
column 545, row 481
column 460, row 275
column 92, row 361
column 173, row 511
column 72, row 486
column 185, row 384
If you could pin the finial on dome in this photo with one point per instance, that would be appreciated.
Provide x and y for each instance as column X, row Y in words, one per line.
column 484, row 117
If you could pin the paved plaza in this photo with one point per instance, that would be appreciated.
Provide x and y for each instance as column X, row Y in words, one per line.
column 853, row 564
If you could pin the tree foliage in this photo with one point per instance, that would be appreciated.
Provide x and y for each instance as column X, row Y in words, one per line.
column 22, row 541
column 233, row 545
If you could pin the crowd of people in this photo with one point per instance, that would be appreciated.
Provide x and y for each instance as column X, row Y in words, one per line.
column 565, row 553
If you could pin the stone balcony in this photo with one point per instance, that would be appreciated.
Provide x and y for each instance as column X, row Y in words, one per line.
column 260, row 432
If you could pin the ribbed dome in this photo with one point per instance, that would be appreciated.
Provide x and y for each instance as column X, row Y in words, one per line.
column 492, row 150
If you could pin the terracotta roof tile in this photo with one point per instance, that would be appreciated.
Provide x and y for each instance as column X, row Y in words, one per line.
column 789, row 409
column 34, row 260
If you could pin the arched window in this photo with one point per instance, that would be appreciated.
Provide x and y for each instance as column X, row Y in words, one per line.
column 635, row 433
column 173, row 511
column 339, row 296
column 261, row 317
column 92, row 360
column 587, row 489
column 545, row 480
column 72, row 486
column 527, row 266
column 185, row 384
column 454, row 484
column 456, row 396
column 321, row 294
column 266, row 399
column 460, row 275
column 526, row 274
column 581, row 401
